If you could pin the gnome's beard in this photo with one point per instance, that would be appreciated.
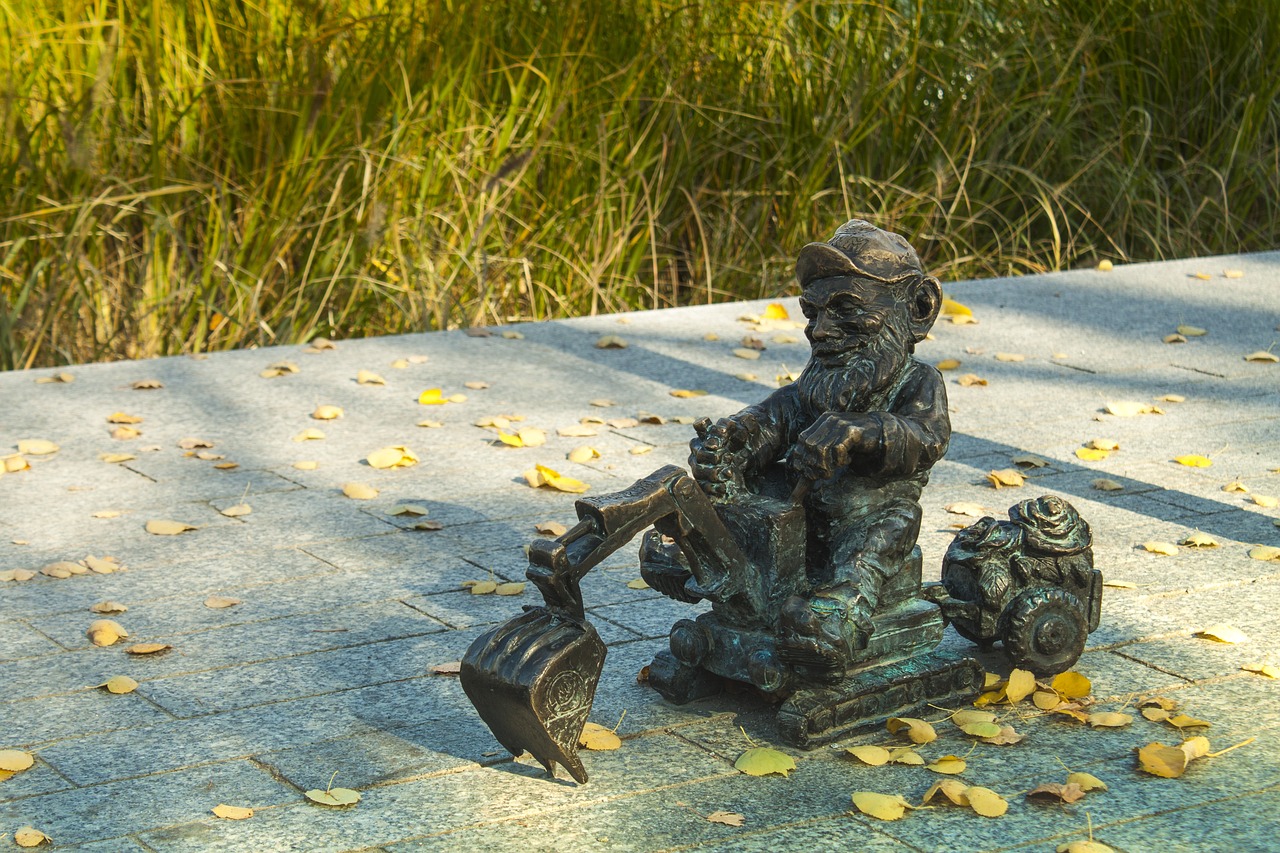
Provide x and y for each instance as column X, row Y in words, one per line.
column 855, row 385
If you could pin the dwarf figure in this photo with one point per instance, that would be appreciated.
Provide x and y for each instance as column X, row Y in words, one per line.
column 854, row 436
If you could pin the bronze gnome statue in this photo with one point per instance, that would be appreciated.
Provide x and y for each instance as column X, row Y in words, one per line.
column 799, row 524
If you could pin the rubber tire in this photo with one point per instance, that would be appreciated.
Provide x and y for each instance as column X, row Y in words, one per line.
column 1044, row 630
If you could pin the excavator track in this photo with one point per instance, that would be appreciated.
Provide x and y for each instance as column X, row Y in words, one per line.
column 817, row 716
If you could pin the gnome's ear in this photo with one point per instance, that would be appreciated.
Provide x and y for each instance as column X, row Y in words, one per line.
column 924, row 300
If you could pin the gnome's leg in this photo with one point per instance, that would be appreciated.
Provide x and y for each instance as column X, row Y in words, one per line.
column 834, row 622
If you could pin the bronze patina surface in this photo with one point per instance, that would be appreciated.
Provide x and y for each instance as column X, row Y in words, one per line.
column 798, row 522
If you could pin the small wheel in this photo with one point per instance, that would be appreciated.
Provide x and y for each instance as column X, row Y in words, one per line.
column 1044, row 630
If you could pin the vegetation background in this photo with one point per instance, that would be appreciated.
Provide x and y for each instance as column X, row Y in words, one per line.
column 188, row 176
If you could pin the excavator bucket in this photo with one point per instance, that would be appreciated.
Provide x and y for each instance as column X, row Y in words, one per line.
column 532, row 680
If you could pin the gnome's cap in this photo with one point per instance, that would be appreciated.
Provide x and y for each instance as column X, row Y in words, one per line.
column 859, row 248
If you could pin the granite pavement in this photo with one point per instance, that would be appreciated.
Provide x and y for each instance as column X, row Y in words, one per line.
column 322, row 672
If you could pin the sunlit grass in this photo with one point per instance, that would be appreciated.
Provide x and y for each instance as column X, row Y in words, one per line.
column 187, row 177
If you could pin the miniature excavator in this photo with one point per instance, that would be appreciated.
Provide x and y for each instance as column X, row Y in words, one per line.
column 533, row 678
column 798, row 524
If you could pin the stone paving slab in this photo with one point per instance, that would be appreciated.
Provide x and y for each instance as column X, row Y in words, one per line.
column 325, row 665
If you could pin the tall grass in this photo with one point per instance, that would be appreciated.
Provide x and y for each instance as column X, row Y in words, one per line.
column 223, row 173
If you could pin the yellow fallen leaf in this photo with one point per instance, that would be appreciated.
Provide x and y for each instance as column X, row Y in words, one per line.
column 1072, row 685
column 17, row 575
column 1262, row 356
column 970, row 379
column 1109, row 719
column 638, row 583
column 1193, row 460
column 108, row 607
column 164, row 527
column 327, row 413
column 219, row 602
column 428, row 524
column 368, row 377
column 1029, row 460
column 1102, row 484
column 967, row 508
column 1105, row 265
column 512, row 335
column 726, row 818
column 583, row 454
column 55, row 378
column 279, row 368
column 309, row 434
column 306, row 465
column 1265, row 669
column 981, row 730
column 116, row 458
column 1091, row 454
column 1265, row 552
column 512, row 588
column 232, row 812
column 359, row 491
column 1010, row 356
column 906, row 755
column 1005, row 477
column 1184, row 721
column 610, row 342
column 1007, row 735
column 1129, row 409
column 391, row 457
column 641, row 449
column 916, row 730
column 687, row 393
column 532, row 437
column 1199, row 540
column 747, row 353
column 1086, row 781
column 948, row 364
column 1068, row 793
column 1169, row 762
column 1155, row 546
column 333, row 797
column 986, row 802
column 953, row 789
column 36, row 447
column 237, row 511
column 541, row 475
column 948, row 764
column 873, row 755
column 29, row 836
column 122, row 418
column 1192, row 331
column 433, row 397
column 120, row 684
column 13, row 463
column 147, row 648
column 63, row 569
column 105, row 632
column 881, row 806
column 952, row 308
column 775, row 311
column 1222, row 633
column 101, row 565
column 482, row 587
column 964, row 718
column 1236, row 486
column 15, row 760
column 1266, row 501
column 762, row 761
column 551, row 528
column 596, row 737
column 1021, row 685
